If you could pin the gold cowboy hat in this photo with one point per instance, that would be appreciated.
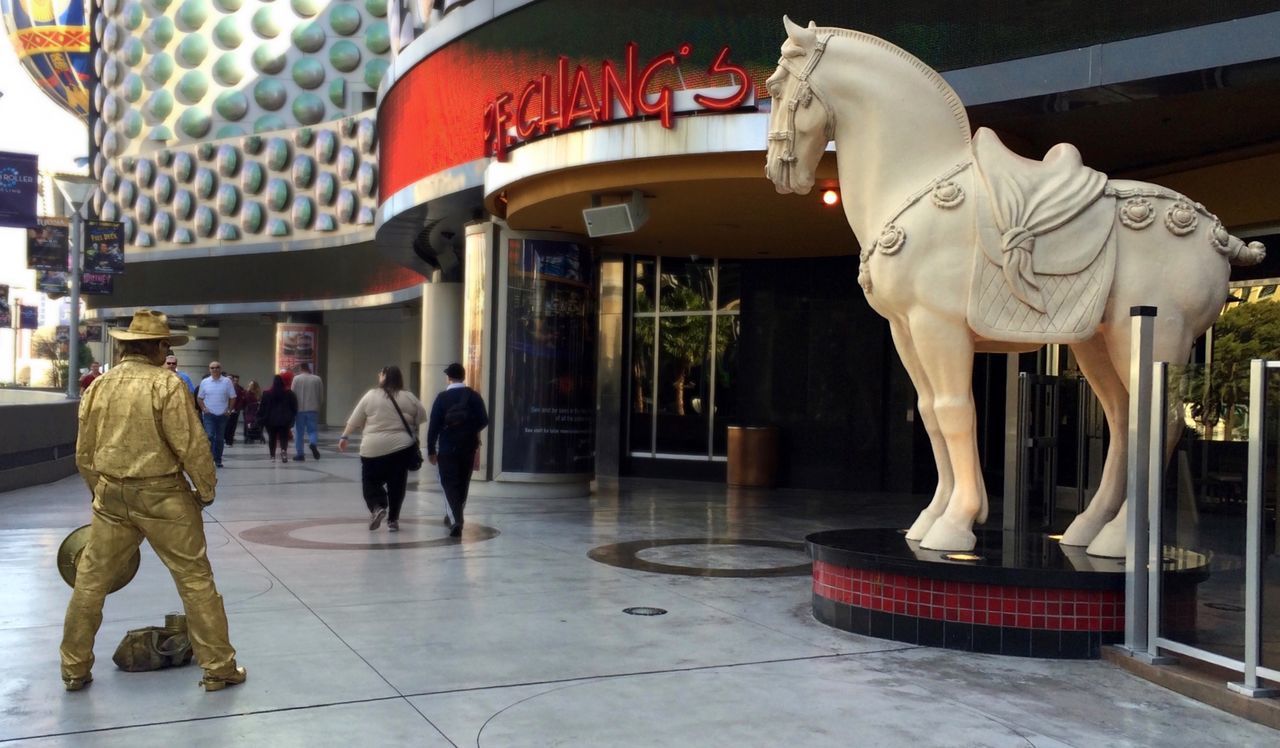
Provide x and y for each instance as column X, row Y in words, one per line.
column 69, row 558
column 148, row 324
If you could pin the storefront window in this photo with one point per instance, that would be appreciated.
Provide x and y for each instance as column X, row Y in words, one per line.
column 684, row 357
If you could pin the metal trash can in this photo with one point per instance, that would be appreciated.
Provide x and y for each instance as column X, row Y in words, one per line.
column 753, row 456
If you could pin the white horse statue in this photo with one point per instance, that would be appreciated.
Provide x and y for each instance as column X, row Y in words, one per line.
column 969, row 247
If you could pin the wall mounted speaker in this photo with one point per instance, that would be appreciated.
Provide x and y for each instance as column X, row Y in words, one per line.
column 621, row 218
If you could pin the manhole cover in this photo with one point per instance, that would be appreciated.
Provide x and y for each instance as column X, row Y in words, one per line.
column 1228, row 607
column 643, row 611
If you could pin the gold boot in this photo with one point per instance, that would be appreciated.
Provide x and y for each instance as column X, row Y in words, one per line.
column 211, row 682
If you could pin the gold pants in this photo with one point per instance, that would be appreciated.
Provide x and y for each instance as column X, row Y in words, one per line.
column 163, row 511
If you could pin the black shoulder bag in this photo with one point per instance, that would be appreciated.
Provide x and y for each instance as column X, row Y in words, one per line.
column 415, row 459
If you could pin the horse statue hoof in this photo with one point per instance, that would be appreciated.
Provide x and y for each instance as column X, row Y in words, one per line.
column 921, row 526
column 1082, row 530
column 945, row 535
column 1110, row 540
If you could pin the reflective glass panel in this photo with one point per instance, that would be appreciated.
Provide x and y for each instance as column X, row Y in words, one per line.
column 1203, row 518
column 729, row 291
column 645, row 288
column 686, row 285
column 683, row 386
column 725, row 411
column 641, row 397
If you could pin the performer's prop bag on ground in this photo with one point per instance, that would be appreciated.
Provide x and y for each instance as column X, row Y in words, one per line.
column 155, row 647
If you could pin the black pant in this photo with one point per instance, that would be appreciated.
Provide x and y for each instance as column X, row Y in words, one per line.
column 383, row 480
column 455, row 479
column 229, row 436
column 278, row 435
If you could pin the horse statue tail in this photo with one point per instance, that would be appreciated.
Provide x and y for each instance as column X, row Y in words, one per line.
column 1239, row 253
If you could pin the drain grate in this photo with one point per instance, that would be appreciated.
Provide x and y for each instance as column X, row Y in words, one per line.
column 644, row 611
column 1228, row 607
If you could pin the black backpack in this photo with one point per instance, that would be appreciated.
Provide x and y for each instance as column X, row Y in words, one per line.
column 456, row 415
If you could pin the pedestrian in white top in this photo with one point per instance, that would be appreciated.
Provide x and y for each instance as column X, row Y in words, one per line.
column 216, row 396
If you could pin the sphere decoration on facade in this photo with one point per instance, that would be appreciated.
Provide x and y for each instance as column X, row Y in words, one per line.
column 51, row 39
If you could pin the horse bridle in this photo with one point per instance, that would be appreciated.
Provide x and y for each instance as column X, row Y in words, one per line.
column 804, row 96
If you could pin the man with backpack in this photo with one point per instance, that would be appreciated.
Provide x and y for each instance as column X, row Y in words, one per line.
column 457, row 418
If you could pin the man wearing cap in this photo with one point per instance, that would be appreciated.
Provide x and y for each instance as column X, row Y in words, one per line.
column 137, row 437
column 457, row 418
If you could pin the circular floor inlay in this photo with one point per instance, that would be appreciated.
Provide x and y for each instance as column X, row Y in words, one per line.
column 705, row 557
column 345, row 534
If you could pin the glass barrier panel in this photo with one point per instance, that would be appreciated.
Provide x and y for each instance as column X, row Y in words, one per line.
column 1269, row 654
column 1203, row 509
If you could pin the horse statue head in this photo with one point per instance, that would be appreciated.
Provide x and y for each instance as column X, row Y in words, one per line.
column 895, row 122
column 800, row 124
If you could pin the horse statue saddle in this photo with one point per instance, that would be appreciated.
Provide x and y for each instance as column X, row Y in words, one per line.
column 1026, row 213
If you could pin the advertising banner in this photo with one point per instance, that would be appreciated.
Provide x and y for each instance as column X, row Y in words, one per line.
column 19, row 183
column 97, row 284
column 48, row 244
column 28, row 317
column 52, row 282
column 92, row 334
column 297, row 344
column 104, row 247
column 6, row 313
column 549, row 416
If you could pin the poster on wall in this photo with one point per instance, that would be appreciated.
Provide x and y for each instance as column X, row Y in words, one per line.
column 104, row 247
column 19, row 183
column 549, row 415
column 48, row 244
column 6, row 313
column 28, row 317
column 92, row 334
column 297, row 344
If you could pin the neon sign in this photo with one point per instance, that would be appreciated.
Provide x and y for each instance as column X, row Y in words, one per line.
column 549, row 103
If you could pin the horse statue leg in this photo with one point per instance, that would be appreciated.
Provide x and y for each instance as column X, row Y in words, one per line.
column 1113, row 394
column 1172, row 343
column 944, row 349
column 924, row 404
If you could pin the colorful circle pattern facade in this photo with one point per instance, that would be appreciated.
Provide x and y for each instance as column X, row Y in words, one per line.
column 204, row 103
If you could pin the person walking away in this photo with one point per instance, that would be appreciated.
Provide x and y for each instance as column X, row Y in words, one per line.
column 137, row 436
column 389, row 417
column 216, row 397
column 252, row 397
column 233, row 418
column 310, row 391
column 95, row 371
column 453, row 436
column 276, row 413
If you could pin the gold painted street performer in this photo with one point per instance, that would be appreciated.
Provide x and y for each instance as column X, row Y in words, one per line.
column 138, row 435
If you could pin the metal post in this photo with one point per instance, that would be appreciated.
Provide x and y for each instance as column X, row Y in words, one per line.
column 1253, row 535
column 1154, row 499
column 73, row 344
column 1012, row 444
column 1135, row 550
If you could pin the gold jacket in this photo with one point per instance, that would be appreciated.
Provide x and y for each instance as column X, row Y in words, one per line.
column 138, row 421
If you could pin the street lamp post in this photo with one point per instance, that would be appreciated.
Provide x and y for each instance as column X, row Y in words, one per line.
column 77, row 194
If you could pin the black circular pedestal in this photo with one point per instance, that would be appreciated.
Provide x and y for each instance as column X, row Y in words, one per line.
column 1018, row 594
